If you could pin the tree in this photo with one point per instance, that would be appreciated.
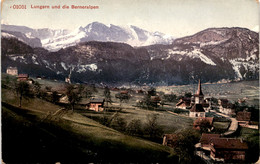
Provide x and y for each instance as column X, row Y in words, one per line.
column 188, row 94
column 184, row 145
column 152, row 92
column 37, row 88
column 123, row 97
column 135, row 127
column 205, row 126
column 107, row 95
column 23, row 90
column 88, row 93
column 48, row 88
column 152, row 127
column 74, row 96
column 118, row 123
column 55, row 97
column 170, row 97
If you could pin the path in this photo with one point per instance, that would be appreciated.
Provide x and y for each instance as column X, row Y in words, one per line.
column 232, row 127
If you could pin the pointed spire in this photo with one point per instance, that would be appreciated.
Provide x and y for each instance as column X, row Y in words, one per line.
column 199, row 91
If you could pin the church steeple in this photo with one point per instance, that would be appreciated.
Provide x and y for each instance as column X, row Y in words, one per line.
column 199, row 91
column 199, row 97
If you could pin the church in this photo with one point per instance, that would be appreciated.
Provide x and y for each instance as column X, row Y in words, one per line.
column 197, row 109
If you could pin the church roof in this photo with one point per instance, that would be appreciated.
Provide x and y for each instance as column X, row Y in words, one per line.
column 197, row 108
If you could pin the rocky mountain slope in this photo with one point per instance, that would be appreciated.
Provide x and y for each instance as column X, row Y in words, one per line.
column 214, row 54
column 31, row 41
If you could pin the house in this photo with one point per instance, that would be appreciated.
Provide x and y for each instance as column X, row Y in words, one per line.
column 12, row 71
column 23, row 77
column 203, row 121
column 124, row 92
column 155, row 100
column 222, row 101
column 226, row 107
column 38, row 77
column 243, row 118
column 184, row 103
column 96, row 104
column 30, row 81
column 206, row 106
column 170, row 140
column 123, row 95
column 205, row 140
column 63, row 99
column 228, row 149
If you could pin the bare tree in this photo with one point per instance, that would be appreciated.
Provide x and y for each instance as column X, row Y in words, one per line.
column 152, row 127
column 74, row 96
column 23, row 90
column 135, row 127
column 37, row 88
column 107, row 95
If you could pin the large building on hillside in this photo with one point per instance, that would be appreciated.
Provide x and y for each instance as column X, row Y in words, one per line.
column 12, row 71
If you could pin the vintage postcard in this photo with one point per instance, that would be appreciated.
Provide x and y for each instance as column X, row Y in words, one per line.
column 130, row 81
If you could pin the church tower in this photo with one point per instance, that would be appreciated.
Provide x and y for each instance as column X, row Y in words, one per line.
column 199, row 97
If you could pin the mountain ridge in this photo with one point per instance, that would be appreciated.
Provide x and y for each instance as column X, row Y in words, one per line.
column 214, row 54
column 54, row 40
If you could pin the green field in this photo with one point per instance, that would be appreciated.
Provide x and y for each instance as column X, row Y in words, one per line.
column 72, row 133
column 231, row 91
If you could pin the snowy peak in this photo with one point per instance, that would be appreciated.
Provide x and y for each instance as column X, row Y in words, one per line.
column 107, row 33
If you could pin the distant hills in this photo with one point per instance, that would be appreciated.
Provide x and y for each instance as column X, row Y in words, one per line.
column 213, row 54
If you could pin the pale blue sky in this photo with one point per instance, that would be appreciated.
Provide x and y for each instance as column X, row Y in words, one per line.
column 174, row 17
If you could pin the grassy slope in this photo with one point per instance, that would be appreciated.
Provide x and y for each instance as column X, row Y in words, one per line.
column 67, row 137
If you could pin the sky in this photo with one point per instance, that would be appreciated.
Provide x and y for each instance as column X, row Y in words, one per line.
column 174, row 17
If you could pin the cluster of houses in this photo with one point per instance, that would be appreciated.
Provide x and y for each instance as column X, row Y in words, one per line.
column 197, row 105
column 222, row 149
column 217, row 147
column 20, row 77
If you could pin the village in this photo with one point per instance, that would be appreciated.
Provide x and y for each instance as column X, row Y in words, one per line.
column 223, row 128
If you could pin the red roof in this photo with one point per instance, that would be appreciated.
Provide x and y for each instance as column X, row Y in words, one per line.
column 23, row 76
column 186, row 102
column 124, row 92
column 243, row 116
column 197, row 108
column 228, row 143
column 205, row 138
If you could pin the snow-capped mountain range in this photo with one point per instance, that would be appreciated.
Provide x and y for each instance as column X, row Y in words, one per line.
column 214, row 54
column 54, row 40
